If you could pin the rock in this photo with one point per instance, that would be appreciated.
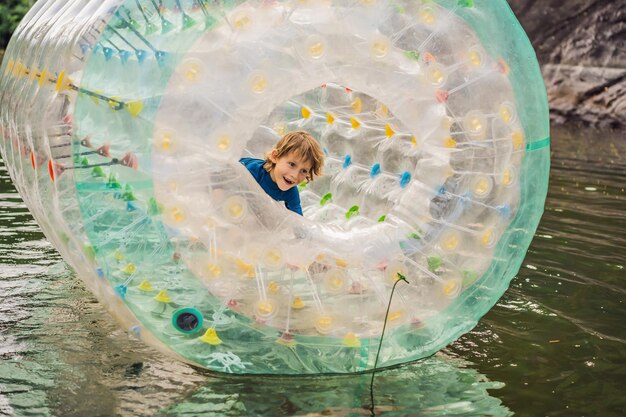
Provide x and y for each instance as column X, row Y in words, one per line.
column 581, row 47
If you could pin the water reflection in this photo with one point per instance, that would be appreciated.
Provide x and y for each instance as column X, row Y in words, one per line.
column 556, row 339
column 437, row 386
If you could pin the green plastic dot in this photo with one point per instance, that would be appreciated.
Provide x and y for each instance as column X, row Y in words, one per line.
column 413, row 55
column 98, row 172
column 154, row 207
column 466, row 3
column 353, row 211
column 434, row 262
column 327, row 197
column 382, row 218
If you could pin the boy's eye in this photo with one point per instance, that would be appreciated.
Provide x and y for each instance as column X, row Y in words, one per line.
column 292, row 164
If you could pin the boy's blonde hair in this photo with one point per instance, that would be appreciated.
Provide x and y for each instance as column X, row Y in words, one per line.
column 302, row 144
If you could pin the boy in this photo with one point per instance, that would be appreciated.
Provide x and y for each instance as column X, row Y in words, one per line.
column 295, row 158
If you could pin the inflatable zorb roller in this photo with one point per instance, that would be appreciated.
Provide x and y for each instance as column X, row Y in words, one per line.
column 123, row 123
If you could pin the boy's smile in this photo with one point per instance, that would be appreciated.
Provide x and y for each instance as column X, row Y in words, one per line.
column 289, row 170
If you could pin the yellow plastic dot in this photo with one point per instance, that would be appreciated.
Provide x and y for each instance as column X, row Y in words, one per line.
column 330, row 119
column 436, row 75
column 450, row 242
column 242, row 22
column 518, row 140
column 213, row 269
column 114, row 102
column 134, row 107
column 324, row 324
column 280, row 128
column 235, row 210
column 130, row 268
column 177, row 215
column 395, row 315
column 451, row 287
column 449, row 142
column 427, row 15
column 163, row 297
column 474, row 57
column 165, row 142
column 273, row 287
column 475, row 123
column 413, row 140
column 507, row 177
column 305, row 112
column 341, row 263
column 487, row 238
column 145, row 286
column 265, row 308
column 379, row 47
column 223, row 143
column 357, row 105
column 245, row 269
column 273, row 257
column 354, row 123
column 192, row 70
column 297, row 303
column 59, row 83
column 350, row 340
column 258, row 83
column 210, row 337
column 118, row 255
column 506, row 112
column 316, row 47
column 482, row 186
column 389, row 132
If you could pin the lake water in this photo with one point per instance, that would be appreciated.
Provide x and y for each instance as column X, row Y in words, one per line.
column 554, row 345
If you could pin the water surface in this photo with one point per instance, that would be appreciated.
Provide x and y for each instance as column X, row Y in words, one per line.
column 554, row 345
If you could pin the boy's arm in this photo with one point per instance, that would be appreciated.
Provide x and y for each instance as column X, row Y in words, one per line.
column 293, row 203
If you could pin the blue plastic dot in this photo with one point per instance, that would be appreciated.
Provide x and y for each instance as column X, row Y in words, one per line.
column 160, row 56
column 84, row 48
column 347, row 161
column 136, row 330
column 405, row 178
column 100, row 272
column 121, row 290
column 124, row 55
column 108, row 52
column 141, row 55
column 96, row 48
column 375, row 170
column 325, row 151
column 441, row 190
column 130, row 206
column 504, row 210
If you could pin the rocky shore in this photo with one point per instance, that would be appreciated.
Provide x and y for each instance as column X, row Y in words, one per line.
column 582, row 50
column 581, row 46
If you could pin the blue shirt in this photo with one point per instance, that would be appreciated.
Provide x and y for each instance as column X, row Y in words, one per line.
column 291, row 197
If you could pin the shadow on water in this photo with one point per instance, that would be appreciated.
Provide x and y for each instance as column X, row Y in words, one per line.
column 556, row 339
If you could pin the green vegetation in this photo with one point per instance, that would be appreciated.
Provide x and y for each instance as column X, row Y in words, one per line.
column 11, row 12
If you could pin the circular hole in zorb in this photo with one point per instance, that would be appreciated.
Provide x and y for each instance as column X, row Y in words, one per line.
column 187, row 320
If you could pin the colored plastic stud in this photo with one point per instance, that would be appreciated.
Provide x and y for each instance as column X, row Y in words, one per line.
column 210, row 337
column 297, row 303
column 286, row 339
column 306, row 113
column 330, row 119
column 434, row 262
column 163, row 297
column 347, row 161
column 145, row 286
column 375, row 170
column 130, row 268
column 350, row 340
column 134, row 107
column 389, row 132
column 382, row 218
column 166, row 26
column 188, row 22
column 466, row 3
column 357, row 105
column 121, row 290
column 324, row 324
column 449, row 143
column 141, row 55
column 124, row 55
column 405, row 179
column 352, row 211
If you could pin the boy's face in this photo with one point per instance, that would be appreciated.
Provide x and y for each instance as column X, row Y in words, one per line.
column 290, row 170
